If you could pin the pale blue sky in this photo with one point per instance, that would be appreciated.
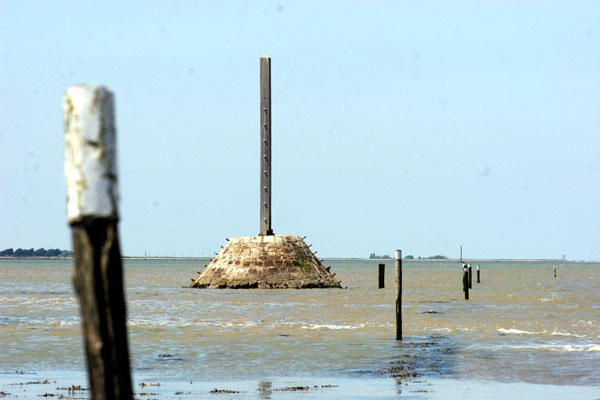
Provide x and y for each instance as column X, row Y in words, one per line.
column 413, row 125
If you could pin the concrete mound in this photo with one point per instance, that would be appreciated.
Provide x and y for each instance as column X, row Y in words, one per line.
column 266, row 262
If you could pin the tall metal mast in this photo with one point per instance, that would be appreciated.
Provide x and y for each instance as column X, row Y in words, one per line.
column 265, row 146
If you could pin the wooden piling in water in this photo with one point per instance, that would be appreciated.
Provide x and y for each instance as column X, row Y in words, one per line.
column 478, row 276
column 470, row 276
column 90, row 169
column 381, row 276
column 466, row 281
column 398, row 294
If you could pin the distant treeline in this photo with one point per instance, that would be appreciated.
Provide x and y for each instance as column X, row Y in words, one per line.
column 41, row 252
column 436, row 257
column 373, row 255
column 409, row 257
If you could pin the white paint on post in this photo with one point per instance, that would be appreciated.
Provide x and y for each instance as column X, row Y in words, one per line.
column 398, row 254
column 90, row 153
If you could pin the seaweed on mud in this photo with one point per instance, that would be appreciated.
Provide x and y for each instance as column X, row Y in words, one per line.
column 72, row 389
column 190, row 393
column 144, row 384
column 292, row 389
column 44, row 382
column 431, row 356
column 223, row 391
column 168, row 358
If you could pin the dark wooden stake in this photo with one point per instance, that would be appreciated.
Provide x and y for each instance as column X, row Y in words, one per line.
column 555, row 271
column 265, row 146
column 90, row 168
column 470, row 277
column 478, row 277
column 99, row 285
column 381, row 276
column 398, row 294
column 466, row 282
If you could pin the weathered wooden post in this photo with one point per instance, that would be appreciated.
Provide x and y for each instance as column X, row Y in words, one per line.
column 555, row 271
column 466, row 281
column 398, row 294
column 478, row 277
column 265, row 146
column 91, row 174
column 470, row 276
column 381, row 276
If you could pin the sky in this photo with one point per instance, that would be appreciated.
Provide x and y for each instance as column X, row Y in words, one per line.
column 417, row 125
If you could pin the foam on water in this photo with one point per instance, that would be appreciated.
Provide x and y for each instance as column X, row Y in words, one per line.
column 447, row 330
column 557, row 333
column 513, row 331
column 544, row 347
column 332, row 326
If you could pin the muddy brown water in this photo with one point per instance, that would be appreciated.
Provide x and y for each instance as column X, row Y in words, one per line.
column 521, row 323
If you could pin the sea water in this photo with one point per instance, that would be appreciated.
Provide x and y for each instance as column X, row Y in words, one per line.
column 521, row 326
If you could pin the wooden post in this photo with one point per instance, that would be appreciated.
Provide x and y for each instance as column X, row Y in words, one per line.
column 398, row 294
column 381, row 276
column 470, row 277
column 265, row 146
column 478, row 277
column 466, row 281
column 90, row 169
column 555, row 271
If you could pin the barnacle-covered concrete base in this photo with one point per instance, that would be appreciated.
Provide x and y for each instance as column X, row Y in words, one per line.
column 266, row 262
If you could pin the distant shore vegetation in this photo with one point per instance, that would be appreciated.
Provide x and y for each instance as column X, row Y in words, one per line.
column 41, row 252
column 436, row 257
column 408, row 257
column 377, row 256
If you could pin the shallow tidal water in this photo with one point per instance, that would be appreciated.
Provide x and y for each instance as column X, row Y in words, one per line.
column 522, row 328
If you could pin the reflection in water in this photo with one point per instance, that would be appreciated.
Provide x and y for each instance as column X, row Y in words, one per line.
column 265, row 389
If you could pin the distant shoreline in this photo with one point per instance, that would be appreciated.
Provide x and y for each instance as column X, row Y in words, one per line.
column 326, row 259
